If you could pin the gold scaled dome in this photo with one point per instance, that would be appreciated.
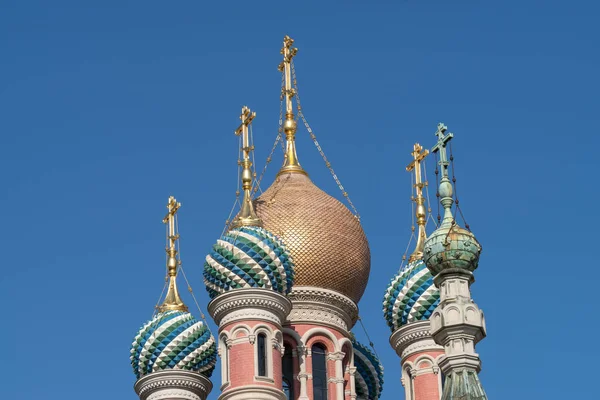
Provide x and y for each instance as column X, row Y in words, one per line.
column 326, row 241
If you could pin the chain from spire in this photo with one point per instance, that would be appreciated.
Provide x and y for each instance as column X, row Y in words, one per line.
column 247, row 216
column 419, row 155
column 290, row 162
column 172, row 299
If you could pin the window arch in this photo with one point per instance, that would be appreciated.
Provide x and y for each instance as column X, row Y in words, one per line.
column 319, row 371
column 261, row 354
column 287, row 367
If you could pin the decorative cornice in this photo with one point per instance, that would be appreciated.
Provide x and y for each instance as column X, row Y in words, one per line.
column 313, row 305
column 254, row 392
column 249, row 304
column 156, row 385
column 412, row 338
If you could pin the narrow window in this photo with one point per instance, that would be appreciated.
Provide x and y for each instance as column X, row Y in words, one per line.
column 262, row 354
column 288, row 373
column 408, row 385
column 224, row 360
column 319, row 364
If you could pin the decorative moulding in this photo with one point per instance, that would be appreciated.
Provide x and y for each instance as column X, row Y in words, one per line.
column 318, row 306
column 173, row 384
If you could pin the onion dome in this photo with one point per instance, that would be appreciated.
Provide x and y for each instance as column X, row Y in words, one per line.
column 411, row 296
column 173, row 340
column 326, row 240
column 369, row 376
column 248, row 257
column 450, row 246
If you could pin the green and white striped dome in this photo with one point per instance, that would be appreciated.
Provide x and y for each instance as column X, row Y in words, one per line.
column 248, row 257
column 410, row 296
column 173, row 340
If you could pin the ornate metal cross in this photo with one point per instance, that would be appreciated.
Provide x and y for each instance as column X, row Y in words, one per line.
column 246, row 117
column 441, row 147
column 172, row 206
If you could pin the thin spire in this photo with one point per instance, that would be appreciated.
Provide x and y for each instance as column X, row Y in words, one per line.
column 247, row 216
column 419, row 154
column 290, row 163
column 445, row 189
column 172, row 300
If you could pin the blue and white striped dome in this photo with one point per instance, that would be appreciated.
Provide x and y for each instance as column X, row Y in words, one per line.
column 248, row 257
column 410, row 296
column 369, row 378
column 173, row 340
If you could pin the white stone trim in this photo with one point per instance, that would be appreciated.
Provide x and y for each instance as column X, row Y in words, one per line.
column 173, row 384
column 253, row 392
column 318, row 306
column 413, row 338
column 249, row 304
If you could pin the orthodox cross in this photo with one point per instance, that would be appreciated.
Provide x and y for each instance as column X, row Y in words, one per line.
column 172, row 299
column 418, row 154
column 246, row 117
column 173, row 207
column 441, row 147
column 247, row 216
column 288, row 53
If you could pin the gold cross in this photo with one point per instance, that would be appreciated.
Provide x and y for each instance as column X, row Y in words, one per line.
column 246, row 117
column 172, row 206
column 418, row 155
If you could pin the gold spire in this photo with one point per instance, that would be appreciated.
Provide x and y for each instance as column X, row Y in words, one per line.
column 290, row 163
column 418, row 155
column 247, row 216
column 172, row 300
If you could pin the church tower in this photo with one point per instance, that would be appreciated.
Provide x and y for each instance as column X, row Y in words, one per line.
column 409, row 301
column 451, row 255
column 290, row 270
column 173, row 355
column 248, row 274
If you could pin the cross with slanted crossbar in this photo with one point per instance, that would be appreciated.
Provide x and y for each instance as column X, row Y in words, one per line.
column 441, row 147
column 247, row 116
column 172, row 206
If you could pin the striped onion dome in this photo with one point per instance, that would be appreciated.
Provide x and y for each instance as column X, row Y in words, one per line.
column 248, row 257
column 410, row 296
column 173, row 340
column 369, row 377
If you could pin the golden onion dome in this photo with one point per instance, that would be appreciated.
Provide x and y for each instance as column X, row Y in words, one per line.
column 326, row 241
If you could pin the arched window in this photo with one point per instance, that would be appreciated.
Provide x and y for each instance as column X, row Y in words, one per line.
column 261, row 350
column 224, row 360
column 287, row 366
column 319, row 369
column 408, row 385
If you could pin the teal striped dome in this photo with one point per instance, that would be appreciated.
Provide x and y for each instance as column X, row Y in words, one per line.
column 248, row 257
column 173, row 340
column 410, row 296
column 369, row 377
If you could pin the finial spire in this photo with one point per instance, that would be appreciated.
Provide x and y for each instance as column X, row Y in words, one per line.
column 445, row 189
column 419, row 154
column 247, row 216
column 290, row 163
column 172, row 300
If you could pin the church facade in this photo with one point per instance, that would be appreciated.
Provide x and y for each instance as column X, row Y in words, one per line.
column 285, row 280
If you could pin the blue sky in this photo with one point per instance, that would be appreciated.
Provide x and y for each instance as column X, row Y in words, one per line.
column 107, row 108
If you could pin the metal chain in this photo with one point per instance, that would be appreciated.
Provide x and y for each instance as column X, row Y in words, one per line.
column 429, row 216
column 314, row 138
column 277, row 139
column 189, row 287
column 456, row 191
column 437, row 189
column 368, row 337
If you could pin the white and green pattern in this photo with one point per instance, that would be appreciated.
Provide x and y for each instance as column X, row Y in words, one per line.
column 369, row 378
column 248, row 257
column 173, row 340
column 410, row 296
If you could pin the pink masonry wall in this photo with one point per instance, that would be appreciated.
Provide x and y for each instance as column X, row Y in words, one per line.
column 426, row 383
